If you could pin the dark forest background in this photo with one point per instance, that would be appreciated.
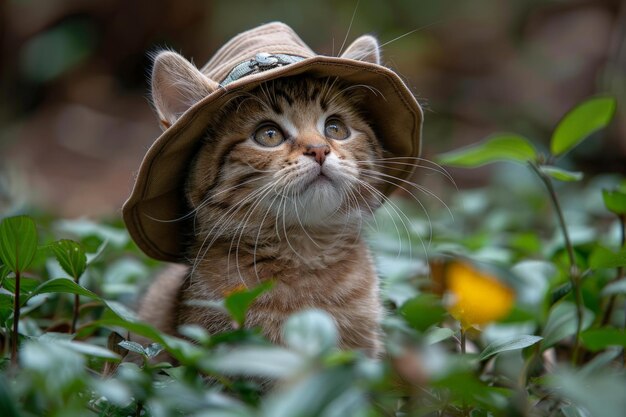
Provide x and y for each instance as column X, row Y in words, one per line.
column 75, row 117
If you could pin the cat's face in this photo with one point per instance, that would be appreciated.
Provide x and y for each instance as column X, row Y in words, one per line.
column 295, row 150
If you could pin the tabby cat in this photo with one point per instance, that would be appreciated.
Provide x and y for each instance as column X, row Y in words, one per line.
column 279, row 190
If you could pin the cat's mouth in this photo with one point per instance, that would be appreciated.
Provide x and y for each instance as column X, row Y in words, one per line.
column 320, row 179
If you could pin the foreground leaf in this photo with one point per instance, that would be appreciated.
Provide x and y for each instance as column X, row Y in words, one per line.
column 70, row 256
column 311, row 332
column 562, row 323
column 239, row 301
column 502, row 147
column 517, row 342
column 615, row 200
column 599, row 339
column 580, row 122
column 561, row 174
column 63, row 285
column 18, row 242
column 423, row 311
column 605, row 258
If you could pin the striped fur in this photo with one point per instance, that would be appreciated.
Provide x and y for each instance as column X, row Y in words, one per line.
column 265, row 213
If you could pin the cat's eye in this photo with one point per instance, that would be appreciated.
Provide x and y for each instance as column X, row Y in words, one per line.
column 336, row 129
column 269, row 135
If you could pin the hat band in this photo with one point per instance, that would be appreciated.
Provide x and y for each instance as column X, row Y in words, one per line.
column 262, row 61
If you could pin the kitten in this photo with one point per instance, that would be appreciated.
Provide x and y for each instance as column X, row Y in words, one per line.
column 279, row 190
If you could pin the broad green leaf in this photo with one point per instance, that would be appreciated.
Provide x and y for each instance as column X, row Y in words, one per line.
column 26, row 284
column 501, row 147
column 599, row 339
column 239, row 301
column 133, row 347
column 562, row 323
column 605, row 258
column 600, row 362
column 580, row 122
column 70, row 256
column 615, row 200
column 262, row 361
column 18, row 242
column 437, row 334
column 602, row 393
column 63, row 285
column 8, row 401
column 423, row 311
column 311, row 332
column 514, row 343
column 88, row 349
column 561, row 174
column 4, row 271
column 616, row 287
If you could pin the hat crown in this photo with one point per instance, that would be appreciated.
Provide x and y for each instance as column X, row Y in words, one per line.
column 271, row 38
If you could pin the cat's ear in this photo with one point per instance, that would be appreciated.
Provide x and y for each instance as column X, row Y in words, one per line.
column 176, row 86
column 364, row 49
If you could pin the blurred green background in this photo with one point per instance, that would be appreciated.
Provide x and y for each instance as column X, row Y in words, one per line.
column 75, row 117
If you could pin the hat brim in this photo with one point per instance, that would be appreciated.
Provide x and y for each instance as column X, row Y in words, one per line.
column 154, row 209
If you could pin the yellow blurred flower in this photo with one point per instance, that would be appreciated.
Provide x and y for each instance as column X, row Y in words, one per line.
column 476, row 298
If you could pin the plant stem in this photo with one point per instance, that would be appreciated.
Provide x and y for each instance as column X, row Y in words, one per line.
column 16, row 318
column 462, row 341
column 75, row 315
column 620, row 271
column 574, row 273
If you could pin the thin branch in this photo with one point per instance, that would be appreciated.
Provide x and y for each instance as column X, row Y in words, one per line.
column 574, row 273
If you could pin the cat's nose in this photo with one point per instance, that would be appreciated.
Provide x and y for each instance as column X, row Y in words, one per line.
column 318, row 152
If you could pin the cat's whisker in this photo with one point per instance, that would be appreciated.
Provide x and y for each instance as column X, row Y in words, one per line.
column 223, row 222
column 349, row 27
column 247, row 217
column 397, row 160
column 375, row 176
column 397, row 211
column 418, row 187
column 256, row 241
column 295, row 205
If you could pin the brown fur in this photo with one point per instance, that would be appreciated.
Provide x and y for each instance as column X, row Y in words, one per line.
column 264, row 213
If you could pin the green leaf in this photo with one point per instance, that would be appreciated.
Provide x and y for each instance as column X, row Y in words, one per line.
column 437, row 334
column 561, row 174
column 262, row 361
column 514, row 343
column 616, row 287
column 599, row 339
column 8, row 401
column 63, row 285
column 501, row 147
column 133, row 347
column 311, row 332
column 18, row 242
column 238, row 302
column 26, row 284
column 601, row 394
column 562, row 323
column 423, row 311
column 604, row 258
column 615, row 200
column 71, row 257
column 88, row 349
column 580, row 122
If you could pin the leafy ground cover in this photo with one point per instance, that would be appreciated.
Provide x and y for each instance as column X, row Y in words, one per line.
column 509, row 302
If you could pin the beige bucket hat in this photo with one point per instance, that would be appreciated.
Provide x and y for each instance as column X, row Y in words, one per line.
column 155, row 211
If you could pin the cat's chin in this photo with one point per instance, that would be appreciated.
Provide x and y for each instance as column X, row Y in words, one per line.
column 317, row 204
